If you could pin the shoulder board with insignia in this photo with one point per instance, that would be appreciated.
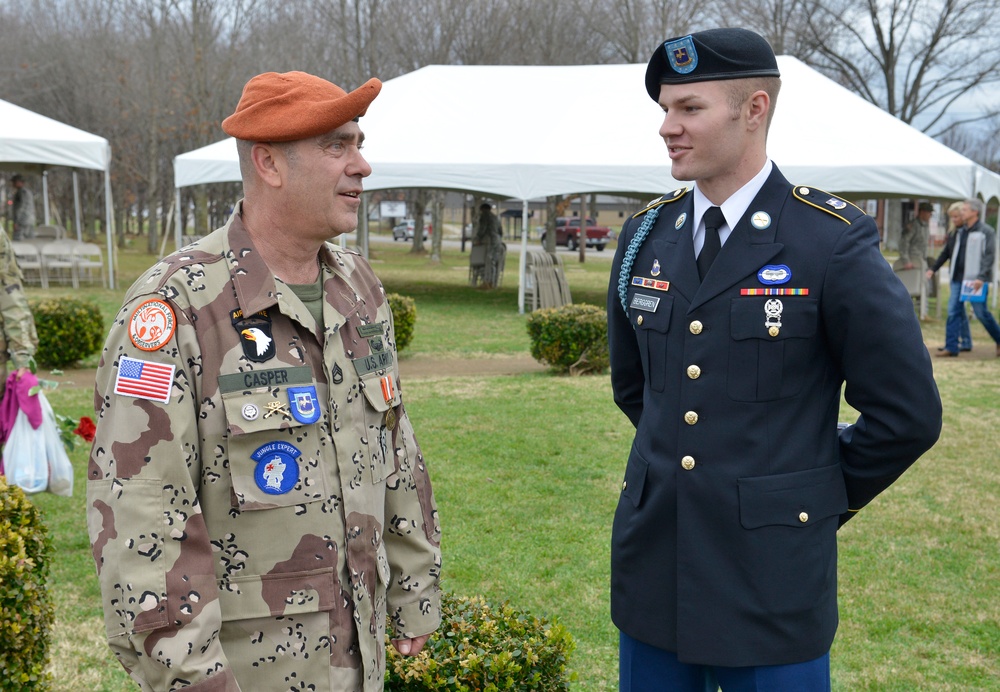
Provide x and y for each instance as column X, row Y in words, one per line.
column 831, row 204
column 665, row 199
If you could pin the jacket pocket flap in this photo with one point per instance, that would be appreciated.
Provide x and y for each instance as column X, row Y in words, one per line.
column 273, row 595
column 635, row 478
column 792, row 499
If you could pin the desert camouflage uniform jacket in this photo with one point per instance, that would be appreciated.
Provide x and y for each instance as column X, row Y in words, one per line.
column 18, row 339
column 276, row 506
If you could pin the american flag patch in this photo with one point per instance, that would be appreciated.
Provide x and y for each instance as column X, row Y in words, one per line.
column 144, row 379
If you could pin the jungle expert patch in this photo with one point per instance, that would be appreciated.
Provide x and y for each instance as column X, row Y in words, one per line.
column 277, row 470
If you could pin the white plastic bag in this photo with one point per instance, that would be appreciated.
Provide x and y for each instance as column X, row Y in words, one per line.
column 24, row 457
column 59, row 467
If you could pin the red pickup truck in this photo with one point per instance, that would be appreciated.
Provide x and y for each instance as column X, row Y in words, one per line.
column 568, row 233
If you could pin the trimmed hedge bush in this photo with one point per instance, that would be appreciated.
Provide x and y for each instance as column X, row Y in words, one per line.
column 404, row 317
column 26, row 612
column 69, row 330
column 485, row 647
column 573, row 338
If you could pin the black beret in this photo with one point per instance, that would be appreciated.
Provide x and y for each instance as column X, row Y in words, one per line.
column 710, row 55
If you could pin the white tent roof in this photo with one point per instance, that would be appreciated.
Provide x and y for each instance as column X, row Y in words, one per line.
column 528, row 132
column 27, row 137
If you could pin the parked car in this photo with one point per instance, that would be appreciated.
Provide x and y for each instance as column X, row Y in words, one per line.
column 568, row 233
column 404, row 230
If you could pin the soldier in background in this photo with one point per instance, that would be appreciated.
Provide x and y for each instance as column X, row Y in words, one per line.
column 913, row 241
column 24, row 209
column 257, row 500
column 18, row 340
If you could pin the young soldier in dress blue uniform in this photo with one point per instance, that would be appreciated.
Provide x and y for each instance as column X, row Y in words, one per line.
column 737, row 311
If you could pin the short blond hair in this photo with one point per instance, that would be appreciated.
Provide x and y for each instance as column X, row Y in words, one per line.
column 742, row 89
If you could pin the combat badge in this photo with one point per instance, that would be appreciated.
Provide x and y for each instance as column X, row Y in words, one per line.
column 277, row 470
column 151, row 325
column 772, row 312
column 255, row 335
column 773, row 274
column 304, row 404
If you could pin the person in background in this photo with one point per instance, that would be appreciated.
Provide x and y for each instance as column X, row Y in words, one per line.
column 913, row 241
column 971, row 250
column 258, row 505
column 18, row 338
column 24, row 209
column 737, row 313
column 489, row 234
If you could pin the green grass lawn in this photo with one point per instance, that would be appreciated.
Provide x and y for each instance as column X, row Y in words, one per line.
column 527, row 471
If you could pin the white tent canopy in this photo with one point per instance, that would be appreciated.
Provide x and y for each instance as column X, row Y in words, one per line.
column 533, row 131
column 27, row 138
column 528, row 132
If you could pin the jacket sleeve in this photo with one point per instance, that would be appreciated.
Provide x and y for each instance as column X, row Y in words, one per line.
column 627, row 379
column 945, row 252
column 18, row 323
column 876, row 340
column 989, row 254
column 149, row 539
column 412, row 537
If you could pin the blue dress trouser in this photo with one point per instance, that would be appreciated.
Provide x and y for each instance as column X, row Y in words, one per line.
column 956, row 331
column 645, row 668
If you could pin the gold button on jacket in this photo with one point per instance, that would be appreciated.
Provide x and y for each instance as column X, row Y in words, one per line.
column 687, row 463
column 690, row 417
column 694, row 372
column 696, row 327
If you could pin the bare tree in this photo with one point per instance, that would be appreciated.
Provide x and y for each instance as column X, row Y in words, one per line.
column 788, row 25
column 632, row 29
column 916, row 59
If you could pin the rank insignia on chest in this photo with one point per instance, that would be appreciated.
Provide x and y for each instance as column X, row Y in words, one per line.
column 277, row 469
column 304, row 404
column 337, row 375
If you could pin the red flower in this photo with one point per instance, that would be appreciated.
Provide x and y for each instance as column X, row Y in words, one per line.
column 86, row 429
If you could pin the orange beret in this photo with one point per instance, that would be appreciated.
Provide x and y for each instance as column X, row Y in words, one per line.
column 295, row 105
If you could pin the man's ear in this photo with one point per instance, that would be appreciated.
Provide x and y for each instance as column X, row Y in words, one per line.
column 270, row 163
column 758, row 107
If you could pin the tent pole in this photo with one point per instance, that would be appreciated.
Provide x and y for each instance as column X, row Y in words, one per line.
column 178, row 231
column 108, row 215
column 76, row 204
column 522, row 263
column 45, row 196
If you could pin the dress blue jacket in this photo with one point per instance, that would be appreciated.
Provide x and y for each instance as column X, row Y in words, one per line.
column 724, row 541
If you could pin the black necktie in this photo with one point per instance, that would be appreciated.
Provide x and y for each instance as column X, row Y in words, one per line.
column 713, row 221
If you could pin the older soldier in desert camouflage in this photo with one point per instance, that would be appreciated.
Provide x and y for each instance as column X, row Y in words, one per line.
column 257, row 500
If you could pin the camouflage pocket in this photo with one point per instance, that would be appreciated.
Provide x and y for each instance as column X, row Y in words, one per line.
column 275, row 459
